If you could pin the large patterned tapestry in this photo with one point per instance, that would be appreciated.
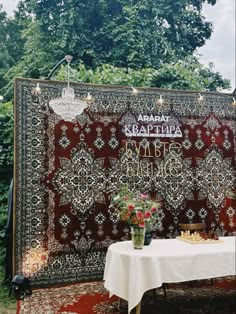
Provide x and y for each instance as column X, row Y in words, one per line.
column 168, row 143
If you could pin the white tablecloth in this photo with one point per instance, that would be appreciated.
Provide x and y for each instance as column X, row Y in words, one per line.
column 129, row 273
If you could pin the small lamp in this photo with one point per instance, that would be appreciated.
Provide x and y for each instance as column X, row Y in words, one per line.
column 234, row 102
column 160, row 101
column 134, row 90
column 200, row 98
column 38, row 89
column 88, row 98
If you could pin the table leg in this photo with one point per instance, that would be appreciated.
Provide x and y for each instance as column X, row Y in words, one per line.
column 138, row 308
column 119, row 304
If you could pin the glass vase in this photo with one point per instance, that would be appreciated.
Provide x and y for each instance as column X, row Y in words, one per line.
column 147, row 238
column 137, row 236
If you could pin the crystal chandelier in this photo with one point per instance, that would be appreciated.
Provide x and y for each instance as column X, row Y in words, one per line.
column 68, row 106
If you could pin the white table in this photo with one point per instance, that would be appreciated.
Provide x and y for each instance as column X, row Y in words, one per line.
column 129, row 273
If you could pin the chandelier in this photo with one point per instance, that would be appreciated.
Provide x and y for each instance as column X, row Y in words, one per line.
column 68, row 106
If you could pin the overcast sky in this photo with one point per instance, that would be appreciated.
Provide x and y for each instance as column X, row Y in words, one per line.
column 220, row 49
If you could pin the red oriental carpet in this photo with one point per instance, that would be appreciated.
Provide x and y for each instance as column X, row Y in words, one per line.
column 93, row 298
column 67, row 169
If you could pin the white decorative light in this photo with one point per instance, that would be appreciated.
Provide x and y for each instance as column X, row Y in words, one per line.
column 67, row 106
column 134, row 90
column 200, row 98
column 160, row 100
column 234, row 102
column 88, row 98
column 38, row 89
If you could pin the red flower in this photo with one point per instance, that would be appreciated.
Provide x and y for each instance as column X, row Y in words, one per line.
column 130, row 207
column 147, row 214
column 153, row 209
column 139, row 215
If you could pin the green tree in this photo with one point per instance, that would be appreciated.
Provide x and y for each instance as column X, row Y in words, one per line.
column 6, row 169
column 11, row 45
column 145, row 35
column 6, row 59
column 134, row 33
column 188, row 74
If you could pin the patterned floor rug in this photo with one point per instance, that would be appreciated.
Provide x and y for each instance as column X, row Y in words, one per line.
column 92, row 298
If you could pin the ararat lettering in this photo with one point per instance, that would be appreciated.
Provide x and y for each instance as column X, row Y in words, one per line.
column 152, row 118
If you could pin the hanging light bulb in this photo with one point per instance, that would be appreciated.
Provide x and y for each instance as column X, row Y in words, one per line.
column 160, row 101
column 234, row 102
column 67, row 106
column 38, row 89
column 88, row 98
column 134, row 90
column 200, row 98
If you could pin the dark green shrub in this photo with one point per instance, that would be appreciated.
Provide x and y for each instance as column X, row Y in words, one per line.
column 6, row 169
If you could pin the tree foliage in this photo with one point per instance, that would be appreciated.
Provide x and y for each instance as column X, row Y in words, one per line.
column 10, row 44
column 140, row 36
column 134, row 33
column 186, row 75
column 189, row 74
column 6, row 168
column 6, row 137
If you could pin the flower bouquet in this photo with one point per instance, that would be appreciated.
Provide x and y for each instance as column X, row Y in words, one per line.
column 136, row 209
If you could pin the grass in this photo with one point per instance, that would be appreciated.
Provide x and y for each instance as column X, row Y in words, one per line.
column 7, row 305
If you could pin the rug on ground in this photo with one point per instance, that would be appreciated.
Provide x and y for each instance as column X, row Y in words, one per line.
column 93, row 298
